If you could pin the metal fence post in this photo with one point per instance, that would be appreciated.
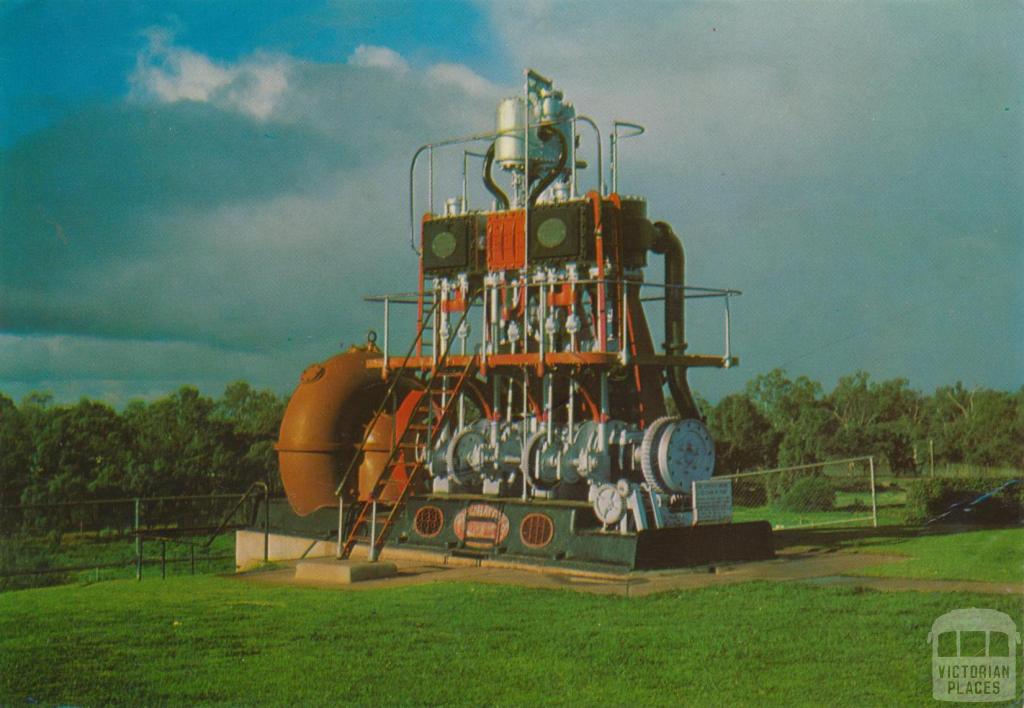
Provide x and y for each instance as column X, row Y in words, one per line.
column 372, row 555
column 163, row 559
column 266, row 523
column 341, row 525
column 138, row 539
column 874, row 501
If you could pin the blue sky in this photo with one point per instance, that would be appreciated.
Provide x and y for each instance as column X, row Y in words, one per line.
column 59, row 55
column 196, row 192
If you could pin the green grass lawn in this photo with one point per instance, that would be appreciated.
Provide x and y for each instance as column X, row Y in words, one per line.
column 995, row 555
column 208, row 639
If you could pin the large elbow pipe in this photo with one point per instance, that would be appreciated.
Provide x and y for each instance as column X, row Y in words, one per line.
column 547, row 133
column 323, row 426
column 667, row 244
column 500, row 197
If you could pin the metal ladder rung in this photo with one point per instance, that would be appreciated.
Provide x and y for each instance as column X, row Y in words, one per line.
column 384, row 517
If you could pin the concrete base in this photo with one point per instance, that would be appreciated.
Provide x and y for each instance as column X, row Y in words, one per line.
column 342, row 572
column 249, row 548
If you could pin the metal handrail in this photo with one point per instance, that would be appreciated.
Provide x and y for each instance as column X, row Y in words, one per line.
column 614, row 139
column 119, row 500
column 426, row 389
column 476, row 137
column 401, row 298
column 258, row 485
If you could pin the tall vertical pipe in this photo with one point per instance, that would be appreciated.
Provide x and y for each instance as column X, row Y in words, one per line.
column 667, row 244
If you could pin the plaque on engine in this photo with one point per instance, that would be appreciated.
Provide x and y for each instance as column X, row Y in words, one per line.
column 712, row 502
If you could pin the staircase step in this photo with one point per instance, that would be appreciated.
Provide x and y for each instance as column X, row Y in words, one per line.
column 482, row 539
column 471, row 552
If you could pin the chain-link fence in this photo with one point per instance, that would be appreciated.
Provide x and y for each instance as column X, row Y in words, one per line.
column 837, row 492
column 48, row 544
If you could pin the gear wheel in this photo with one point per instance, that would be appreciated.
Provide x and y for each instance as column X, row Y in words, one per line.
column 534, row 444
column 454, row 455
column 649, row 453
column 675, row 453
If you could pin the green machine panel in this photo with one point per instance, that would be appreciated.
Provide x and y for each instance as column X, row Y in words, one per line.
column 450, row 244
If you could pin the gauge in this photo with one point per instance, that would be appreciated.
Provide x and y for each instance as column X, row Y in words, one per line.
column 609, row 506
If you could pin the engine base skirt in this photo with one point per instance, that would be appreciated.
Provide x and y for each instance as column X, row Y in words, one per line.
column 545, row 533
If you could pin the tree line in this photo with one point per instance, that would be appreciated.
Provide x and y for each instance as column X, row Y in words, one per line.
column 188, row 443
column 183, row 443
column 778, row 421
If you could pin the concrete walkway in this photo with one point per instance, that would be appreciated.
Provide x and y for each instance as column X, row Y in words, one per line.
column 810, row 567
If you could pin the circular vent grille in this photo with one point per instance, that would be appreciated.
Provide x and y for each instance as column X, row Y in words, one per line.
column 536, row 531
column 429, row 521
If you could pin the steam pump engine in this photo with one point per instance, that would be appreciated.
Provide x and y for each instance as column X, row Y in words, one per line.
column 531, row 392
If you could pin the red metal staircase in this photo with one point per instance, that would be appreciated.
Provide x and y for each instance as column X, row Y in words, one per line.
column 408, row 454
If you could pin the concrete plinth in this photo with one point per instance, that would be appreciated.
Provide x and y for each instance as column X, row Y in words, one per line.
column 342, row 572
column 249, row 548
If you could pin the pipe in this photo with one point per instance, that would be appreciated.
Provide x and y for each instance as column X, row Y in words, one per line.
column 666, row 243
column 597, row 131
column 489, row 182
column 552, row 175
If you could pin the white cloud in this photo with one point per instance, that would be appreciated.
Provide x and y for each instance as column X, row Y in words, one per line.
column 462, row 76
column 197, row 246
column 169, row 73
column 379, row 58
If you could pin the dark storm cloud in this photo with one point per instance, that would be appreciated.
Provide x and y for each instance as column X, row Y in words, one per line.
column 222, row 222
column 186, row 220
column 855, row 168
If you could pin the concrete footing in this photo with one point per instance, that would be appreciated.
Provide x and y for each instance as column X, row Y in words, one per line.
column 342, row 572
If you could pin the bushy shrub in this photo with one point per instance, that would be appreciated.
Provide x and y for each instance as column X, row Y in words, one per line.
column 929, row 498
column 749, row 491
column 809, row 494
column 778, row 484
column 25, row 565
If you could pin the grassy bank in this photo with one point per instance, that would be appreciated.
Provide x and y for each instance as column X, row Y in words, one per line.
column 932, row 553
column 995, row 555
column 208, row 639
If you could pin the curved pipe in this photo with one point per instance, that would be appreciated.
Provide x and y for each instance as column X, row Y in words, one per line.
column 597, row 131
column 322, row 426
column 552, row 175
column 489, row 182
column 667, row 244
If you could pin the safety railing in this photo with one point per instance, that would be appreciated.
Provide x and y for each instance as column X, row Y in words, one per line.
column 429, row 149
column 531, row 296
column 46, row 543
